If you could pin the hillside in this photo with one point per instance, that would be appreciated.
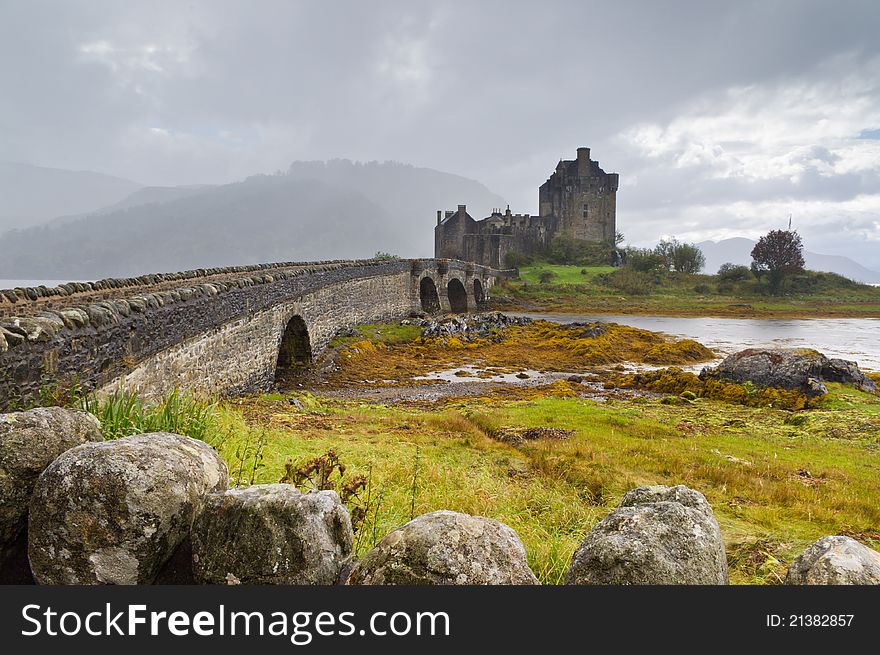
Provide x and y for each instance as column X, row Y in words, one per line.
column 30, row 195
column 738, row 251
column 409, row 195
column 316, row 211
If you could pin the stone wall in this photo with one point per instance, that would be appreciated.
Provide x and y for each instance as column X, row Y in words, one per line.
column 216, row 337
column 240, row 355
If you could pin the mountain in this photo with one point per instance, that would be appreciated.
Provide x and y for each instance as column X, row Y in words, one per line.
column 738, row 251
column 409, row 195
column 30, row 195
column 148, row 195
column 314, row 211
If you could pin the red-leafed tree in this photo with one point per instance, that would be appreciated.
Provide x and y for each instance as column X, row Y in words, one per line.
column 777, row 254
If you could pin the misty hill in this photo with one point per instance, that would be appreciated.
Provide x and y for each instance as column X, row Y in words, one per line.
column 410, row 195
column 738, row 251
column 316, row 211
column 148, row 195
column 30, row 195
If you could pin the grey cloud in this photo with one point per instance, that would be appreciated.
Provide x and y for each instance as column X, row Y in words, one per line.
column 494, row 90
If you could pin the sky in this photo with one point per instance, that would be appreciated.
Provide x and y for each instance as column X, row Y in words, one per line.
column 722, row 118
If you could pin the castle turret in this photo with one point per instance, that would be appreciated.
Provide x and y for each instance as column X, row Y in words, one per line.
column 583, row 162
column 582, row 198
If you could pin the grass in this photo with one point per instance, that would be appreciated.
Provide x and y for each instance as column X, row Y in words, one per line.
column 775, row 487
column 562, row 274
column 124, row 413
column 389, row 334
column 569, row 290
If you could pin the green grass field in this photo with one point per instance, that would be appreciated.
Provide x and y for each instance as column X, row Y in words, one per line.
column 603, row 289
column 563, row 274
column 775, row 487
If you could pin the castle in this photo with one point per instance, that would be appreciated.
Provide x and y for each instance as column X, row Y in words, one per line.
column 579, row 200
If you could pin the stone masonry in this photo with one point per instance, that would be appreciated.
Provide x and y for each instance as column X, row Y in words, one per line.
column 218, row 337
column 578, row 200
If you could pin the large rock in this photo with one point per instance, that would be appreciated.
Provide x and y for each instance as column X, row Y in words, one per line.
column 271, row 534
column 114, row 512
column 657, row 535
column 467, row 327
column 798, row 368
column 29, row 441
column 446, row 548
column 835, row 561
column 841, row 370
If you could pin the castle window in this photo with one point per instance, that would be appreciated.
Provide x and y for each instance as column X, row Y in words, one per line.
column 585, row 210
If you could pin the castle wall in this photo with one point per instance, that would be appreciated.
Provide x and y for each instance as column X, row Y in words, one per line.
column 579, row 199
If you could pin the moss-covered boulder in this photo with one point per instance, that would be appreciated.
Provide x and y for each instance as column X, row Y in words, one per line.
column 446, row 548
column 657, row 535
column 271, row 534
column 29, row 442
column 115, row 512
column 788, row 368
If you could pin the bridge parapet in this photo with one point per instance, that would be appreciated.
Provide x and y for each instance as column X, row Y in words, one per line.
column 172, row 332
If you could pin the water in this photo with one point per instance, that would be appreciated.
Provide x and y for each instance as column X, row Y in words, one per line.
column 856, row 339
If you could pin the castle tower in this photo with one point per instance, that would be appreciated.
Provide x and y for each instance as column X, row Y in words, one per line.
column 582, row 198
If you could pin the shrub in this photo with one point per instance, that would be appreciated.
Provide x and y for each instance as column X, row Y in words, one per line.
column 643, row 260
column 546, row 277
column 733, row 273
column 515, row 259
column 816, row 282
column 631, row 281
column 680, row 257
column 702, row 288
column 687, row 258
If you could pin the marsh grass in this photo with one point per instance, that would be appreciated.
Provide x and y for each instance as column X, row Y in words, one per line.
column 774, row 487
column 124, row 413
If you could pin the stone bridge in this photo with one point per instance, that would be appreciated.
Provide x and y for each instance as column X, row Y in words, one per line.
column 219, row 331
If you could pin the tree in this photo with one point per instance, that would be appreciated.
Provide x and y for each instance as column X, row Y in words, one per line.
column 687, row 258
column 680, row 257
column 644, row 260
column 730, row 272
column 779, row 253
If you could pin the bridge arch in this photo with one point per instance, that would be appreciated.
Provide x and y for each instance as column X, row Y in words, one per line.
column 294, row 350
column 457, row 294
column 428, row 295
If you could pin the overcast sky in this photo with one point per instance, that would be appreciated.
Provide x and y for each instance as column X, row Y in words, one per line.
column 722, row 118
